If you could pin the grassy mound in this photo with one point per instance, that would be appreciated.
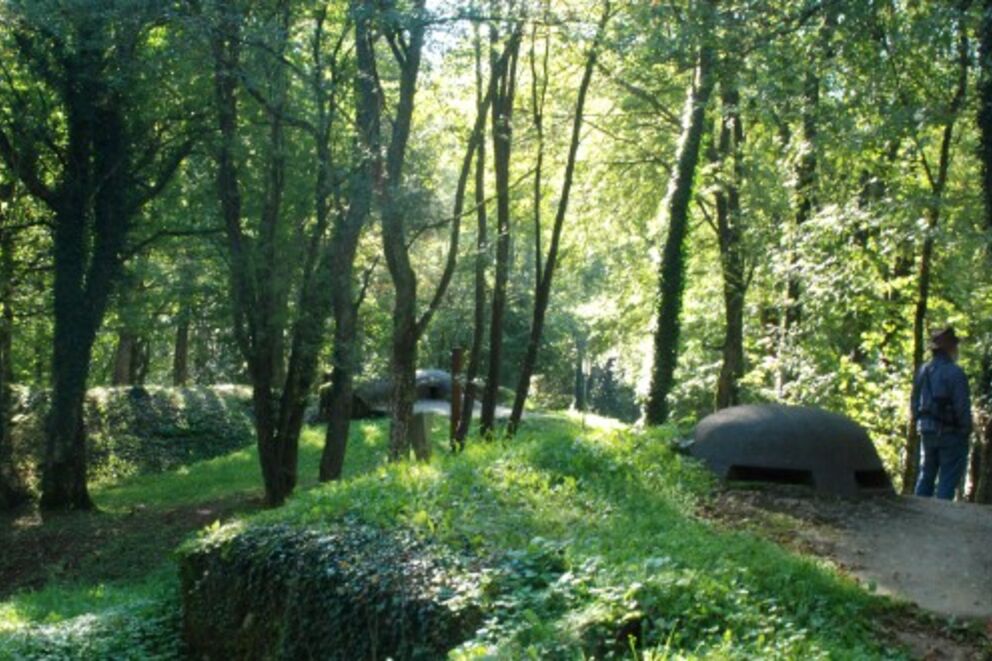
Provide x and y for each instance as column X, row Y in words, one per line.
column 134, row 431
column 585, row 542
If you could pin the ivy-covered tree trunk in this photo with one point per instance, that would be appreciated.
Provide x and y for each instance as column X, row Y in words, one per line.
column 804, row 192
column 676, row 210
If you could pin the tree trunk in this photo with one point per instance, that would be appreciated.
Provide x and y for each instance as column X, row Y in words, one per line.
column 407, row 327
column 502, row 135
column 123, row 355
column 581, row 389
column 985, row 109
column 12, row 490
column 82, row 287
column 64, row 476
column 805, row 192
column 672, row 275
column 403, row 360
column 542, row 293
column 344, row 245
column 180, row 353
column 342, row 378
column 257, row 325
column 729, row 228
column 481, row 260
column 938, row 184
column 982, row 466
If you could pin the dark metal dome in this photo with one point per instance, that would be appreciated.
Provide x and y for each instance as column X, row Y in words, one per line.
column 789, row 444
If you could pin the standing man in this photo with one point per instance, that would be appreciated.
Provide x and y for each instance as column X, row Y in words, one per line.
column 941, row 411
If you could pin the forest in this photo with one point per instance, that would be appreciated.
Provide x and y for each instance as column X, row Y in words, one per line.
column 223, row 223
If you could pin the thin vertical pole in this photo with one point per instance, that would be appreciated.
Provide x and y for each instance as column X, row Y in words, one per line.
column 457, row 356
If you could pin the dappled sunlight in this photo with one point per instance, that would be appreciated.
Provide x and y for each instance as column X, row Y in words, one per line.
column 618, row 508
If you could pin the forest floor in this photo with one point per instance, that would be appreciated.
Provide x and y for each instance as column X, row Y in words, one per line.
column 75, row 584
column 930, row 553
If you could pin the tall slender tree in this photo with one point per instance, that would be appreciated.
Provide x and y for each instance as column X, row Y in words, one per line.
column 505, row 81
column 362, row 185
column 729, row 229
column 408, row 327
column 545, row 272
column 676, row 211
column 937, row 180
column 481, row 259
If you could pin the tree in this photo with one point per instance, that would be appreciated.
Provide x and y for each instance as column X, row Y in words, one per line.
column 95, row 173
column 480, row 262
column 12, row 490
column 676, row 208
column 985, row 106
column 937, row 180
column 344, row 242
column 262, row 279
column 408, row 328
column 505, row 81
column 806, row 166
column 545, row 273
column 729, row 236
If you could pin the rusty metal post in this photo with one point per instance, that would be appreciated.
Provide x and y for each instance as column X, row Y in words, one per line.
column 457, row 355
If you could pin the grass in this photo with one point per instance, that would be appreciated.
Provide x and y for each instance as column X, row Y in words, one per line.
column 589, row 531
column 85, row 577
column 592, row 535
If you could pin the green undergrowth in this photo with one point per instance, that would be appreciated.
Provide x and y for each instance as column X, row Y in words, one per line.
column 119, row 597
column 580, row 538
column 586, row 544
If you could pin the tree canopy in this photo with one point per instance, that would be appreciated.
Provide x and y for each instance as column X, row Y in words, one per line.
column 625, row 207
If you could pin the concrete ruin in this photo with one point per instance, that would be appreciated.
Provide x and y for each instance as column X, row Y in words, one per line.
column 791, row 445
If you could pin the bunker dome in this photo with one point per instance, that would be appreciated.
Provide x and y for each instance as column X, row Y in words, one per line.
column 789, row 444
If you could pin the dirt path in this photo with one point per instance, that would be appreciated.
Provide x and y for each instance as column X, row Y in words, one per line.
column 99, row 546
column 933, row 554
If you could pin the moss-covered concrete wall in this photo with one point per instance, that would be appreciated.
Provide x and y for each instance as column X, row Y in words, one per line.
column 134, row 430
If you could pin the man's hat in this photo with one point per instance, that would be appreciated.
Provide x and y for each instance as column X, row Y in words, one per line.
column 944, row 338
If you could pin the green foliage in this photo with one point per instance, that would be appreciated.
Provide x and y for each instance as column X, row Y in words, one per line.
column 356, row 592
column 585, row 538
column 136, row 614
column 137, row 622
column 135, row 431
